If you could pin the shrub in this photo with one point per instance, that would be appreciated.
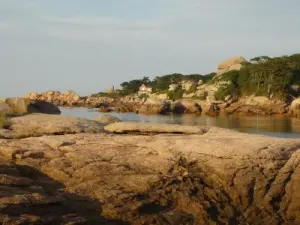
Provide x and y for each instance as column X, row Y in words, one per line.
column 192, row 90
column 4, row 121
column 175, row 95
column 230, row 76
column 143, row 96
column 195, row 97
column 229, row 90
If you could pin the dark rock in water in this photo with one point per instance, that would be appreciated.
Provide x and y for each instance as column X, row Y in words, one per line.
column 186, row 107
column 43, row 107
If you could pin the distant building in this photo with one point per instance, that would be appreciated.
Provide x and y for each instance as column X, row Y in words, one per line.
column 144, row 89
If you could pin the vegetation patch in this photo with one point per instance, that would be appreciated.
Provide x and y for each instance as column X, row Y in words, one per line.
column 175, row 95
column 143, row 96
column 262, row 76
column 5, row 122
column 193, row 89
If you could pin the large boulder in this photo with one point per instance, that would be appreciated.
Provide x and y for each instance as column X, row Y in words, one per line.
column 43, row 124
column 24, row 106
column 19, row 105
column 234, row 63
column 186, row 106
column 43, row 107
column 295, row 108
column 154, row 106
column 72, row 96
column 69, row 98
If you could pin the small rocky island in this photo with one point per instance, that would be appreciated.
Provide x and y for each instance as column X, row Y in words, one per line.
column 262, row 85
column 56, row 169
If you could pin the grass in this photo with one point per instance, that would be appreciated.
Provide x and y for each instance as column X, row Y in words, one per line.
column 4, row 121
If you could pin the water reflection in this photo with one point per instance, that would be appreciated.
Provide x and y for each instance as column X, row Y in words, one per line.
column 270, row 125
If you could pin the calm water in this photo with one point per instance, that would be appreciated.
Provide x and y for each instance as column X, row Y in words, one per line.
column 267, row 125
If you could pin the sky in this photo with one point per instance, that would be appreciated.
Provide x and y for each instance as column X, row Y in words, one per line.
column 91, row 45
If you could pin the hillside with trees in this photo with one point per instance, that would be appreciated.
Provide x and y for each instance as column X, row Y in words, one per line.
column 275, row 78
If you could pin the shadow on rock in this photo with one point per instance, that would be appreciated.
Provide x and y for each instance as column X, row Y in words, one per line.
column 28, row 196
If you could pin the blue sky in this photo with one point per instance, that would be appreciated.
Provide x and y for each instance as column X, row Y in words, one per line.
column 90, row 45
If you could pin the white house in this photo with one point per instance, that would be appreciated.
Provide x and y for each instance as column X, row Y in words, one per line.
column 144, row 89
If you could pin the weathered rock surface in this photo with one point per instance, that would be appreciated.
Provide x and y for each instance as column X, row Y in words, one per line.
column 28, row 196
column 153, row 106
column 187, row 85
column 127, row 127
column 173, row 87
column 24, row 106
column 107, row 119
column 5, row 108
column 72, row 96
column 295, row 108
column 69, row 98
column 256, row 105
column 220, row 177
column 43, row 124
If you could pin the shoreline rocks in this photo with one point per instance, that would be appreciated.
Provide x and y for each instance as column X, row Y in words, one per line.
column 247, row 105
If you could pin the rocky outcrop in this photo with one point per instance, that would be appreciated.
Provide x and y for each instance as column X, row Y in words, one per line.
column 295, row 108
column 186, row 106
column 68, row 98
column 25, row 106
column 187, row 85
column 173, row 87
column 154, row 106
column 256, row 105
column 234, row 63
column 217, row 177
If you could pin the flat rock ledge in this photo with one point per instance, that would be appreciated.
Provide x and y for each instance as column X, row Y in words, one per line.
column 127, row 127
column 219, row 177
column 44, row 124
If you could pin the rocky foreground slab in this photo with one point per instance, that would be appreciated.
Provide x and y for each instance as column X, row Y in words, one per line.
column 214, row 177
